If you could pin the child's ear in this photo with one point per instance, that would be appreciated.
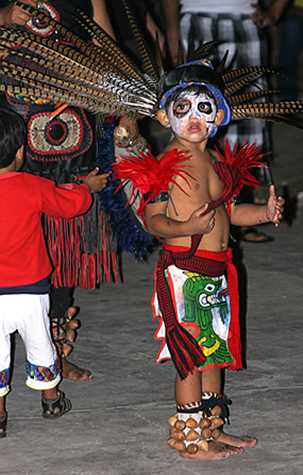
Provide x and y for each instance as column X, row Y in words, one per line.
column 163, row 118
column 20, row 153
column 19, row 157
column 219, row 117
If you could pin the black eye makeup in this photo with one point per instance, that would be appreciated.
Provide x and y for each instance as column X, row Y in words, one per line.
column 205, row 107
column 181, row 107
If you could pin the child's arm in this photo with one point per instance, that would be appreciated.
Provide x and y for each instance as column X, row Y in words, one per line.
column 70, row 200
column 247, row 214
column 158, row 224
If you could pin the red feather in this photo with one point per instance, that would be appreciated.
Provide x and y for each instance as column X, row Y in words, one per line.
column 149, row 175
column 239, row 162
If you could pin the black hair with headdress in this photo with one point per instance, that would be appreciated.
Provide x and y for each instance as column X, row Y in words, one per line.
column 199, row 73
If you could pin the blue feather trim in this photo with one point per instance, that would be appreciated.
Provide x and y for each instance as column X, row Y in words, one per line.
column 125, row 227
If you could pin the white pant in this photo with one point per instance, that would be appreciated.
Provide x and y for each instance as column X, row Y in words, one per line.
column 28, row 313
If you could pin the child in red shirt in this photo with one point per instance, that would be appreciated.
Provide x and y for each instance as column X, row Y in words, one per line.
column 25, row 265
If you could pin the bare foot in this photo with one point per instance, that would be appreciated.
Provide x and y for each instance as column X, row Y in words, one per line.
column 243, row 441
column 73, row 373
column 216, row 450
column 252, row 234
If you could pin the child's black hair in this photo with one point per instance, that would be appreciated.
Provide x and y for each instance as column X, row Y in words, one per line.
column 12, row 135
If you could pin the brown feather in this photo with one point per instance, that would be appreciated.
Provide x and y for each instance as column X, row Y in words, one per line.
column 159, row 56
column 180, row 59
column 71, row 65
column 230, row 76
column 104, row 80
column 233, row 87
column 108, row 44
column 222, row 63
column 148, row 61
column 190, row 50
column 249, row 96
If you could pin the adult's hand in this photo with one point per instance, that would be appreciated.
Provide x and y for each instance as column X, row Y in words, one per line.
column 13, row 15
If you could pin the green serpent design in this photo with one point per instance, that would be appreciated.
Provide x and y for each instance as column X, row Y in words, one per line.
column 201, row 296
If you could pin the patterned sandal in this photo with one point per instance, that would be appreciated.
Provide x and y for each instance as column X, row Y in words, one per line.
column 3, row 422
column 54, row 408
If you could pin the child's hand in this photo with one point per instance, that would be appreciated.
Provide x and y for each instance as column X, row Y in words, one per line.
column 96, row 182
column 201, row 223
column 274, row 207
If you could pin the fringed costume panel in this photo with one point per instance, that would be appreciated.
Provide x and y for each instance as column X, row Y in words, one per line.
column 205, row 302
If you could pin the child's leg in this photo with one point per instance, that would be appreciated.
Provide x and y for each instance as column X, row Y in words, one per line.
column 189, row 429
column 42, row 362
column 2, row 405
column 43, row 371
column 211, row 380
column 3, row 417
column 188, row 390
column 54, row 403
column 50, row 393
column 8, row 326
column 211, row 383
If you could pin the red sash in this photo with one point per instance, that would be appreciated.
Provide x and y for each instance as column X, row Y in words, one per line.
column 185, row 351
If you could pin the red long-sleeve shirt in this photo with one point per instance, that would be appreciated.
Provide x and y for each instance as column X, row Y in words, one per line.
column 23, row 198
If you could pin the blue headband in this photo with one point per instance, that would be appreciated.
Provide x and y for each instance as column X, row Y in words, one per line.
column 200, row 73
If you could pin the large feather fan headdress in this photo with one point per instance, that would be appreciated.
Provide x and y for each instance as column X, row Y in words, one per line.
column 103, row 79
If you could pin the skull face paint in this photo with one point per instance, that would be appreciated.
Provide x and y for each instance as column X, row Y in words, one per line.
column 188, row 113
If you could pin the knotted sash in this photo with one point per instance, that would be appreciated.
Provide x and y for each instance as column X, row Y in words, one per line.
column 184, row 350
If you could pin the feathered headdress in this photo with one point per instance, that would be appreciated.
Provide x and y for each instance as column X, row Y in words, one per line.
column 103, row 79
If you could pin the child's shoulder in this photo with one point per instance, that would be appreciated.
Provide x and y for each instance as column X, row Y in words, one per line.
column 20, row 176
column 29, row 177
column 165, row 151
column 213, row 155
column 28, row 180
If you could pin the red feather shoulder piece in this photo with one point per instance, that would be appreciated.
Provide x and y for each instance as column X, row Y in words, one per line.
column 149, row 176
column 234, row 170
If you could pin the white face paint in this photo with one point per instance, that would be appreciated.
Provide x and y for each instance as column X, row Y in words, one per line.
column 192, row 114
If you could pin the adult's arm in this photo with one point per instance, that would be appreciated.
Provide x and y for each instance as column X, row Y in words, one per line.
column 271, row 15
column 11, row 14
column 171, row 13
column 154, row 30
column 101, row 17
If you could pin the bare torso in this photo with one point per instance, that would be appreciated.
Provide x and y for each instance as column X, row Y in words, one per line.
column 205, row 186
